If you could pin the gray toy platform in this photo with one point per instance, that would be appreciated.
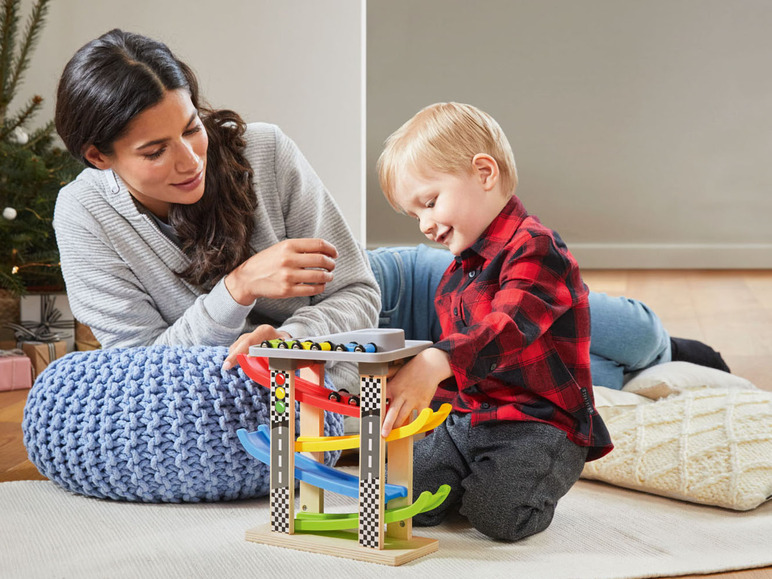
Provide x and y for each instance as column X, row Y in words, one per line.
column 391, row 345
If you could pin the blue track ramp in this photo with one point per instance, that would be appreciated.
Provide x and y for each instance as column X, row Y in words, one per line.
column 258, row 444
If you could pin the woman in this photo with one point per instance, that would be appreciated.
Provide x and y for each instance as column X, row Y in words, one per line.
column 195, row 226
column 191, row 227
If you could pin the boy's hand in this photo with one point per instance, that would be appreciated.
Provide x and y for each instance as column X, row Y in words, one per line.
column 414, row 385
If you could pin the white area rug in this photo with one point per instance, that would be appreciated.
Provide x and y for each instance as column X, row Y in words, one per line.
column 599, row 531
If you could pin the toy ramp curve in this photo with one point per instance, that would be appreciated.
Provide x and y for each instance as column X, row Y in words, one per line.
column 426, row 420
column 342, row 521
column 305, row 391
column 258, row 444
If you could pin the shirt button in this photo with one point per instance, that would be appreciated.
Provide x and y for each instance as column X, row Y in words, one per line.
column 485, row 405
column 455, row 311
column 493, row 367
column 471, row 274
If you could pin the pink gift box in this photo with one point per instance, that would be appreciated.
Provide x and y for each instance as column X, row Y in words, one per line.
column 15, row 372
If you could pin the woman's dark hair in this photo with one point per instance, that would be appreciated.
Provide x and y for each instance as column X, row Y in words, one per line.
column 113, row 79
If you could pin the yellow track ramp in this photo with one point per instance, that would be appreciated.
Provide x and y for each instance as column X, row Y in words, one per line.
column 426, row 420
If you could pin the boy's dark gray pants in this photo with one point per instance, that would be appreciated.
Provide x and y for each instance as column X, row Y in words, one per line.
column 506, row 477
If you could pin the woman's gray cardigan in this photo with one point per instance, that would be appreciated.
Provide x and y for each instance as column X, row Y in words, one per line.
column 119, row 267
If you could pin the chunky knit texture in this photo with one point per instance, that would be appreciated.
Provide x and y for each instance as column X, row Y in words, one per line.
column 710, row 445
column 155, row 424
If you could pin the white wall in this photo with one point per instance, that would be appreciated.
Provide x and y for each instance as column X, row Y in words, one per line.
column 296, row 63
column 642, row 130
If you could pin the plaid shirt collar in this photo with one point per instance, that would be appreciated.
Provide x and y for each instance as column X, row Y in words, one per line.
column 500, row 232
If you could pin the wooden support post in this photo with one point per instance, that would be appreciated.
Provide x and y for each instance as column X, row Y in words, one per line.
column 399, row 463
column 400, row 468
column 312, row 424
column 282, row 411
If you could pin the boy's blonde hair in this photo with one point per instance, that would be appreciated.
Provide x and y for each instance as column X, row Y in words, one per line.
column 444, row 137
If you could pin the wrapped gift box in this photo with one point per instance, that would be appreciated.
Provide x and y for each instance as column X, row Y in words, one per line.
column 32, row 308
column 15, row 371
column 87, row 346
column 84, row 338
column 43, row 353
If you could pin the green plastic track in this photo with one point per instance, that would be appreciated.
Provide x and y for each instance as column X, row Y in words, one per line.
column 341, row 521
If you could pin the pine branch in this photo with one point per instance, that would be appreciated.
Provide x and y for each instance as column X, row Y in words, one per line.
column 37, row 216
column 8, row 28
column 13, row 283
column 33, row 105
column 31, row 36
column 30, row 174
column 43, row 259
column 44, row 134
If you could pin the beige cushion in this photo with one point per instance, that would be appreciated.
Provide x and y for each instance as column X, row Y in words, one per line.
column 709, row 445
column 610, row 402
column 674, row 377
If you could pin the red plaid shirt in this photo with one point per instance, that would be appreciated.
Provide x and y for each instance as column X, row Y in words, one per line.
column 515, row 322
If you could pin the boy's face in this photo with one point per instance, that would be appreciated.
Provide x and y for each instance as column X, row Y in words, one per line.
column 453, row 210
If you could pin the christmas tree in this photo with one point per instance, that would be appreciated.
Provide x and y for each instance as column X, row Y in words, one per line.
column 32, row 169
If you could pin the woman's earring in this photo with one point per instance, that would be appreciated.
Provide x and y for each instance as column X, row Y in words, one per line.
column 116, row 187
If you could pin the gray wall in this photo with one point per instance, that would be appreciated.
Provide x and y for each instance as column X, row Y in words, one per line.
column 296, row 63
column 642, row 129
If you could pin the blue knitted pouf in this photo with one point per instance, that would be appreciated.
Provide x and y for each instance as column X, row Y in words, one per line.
column 155, row 424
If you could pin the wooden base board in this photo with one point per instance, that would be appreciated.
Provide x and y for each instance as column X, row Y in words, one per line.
column 344, row 544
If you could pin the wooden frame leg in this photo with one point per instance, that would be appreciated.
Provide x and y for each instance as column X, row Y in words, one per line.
column 312, row 424
column 400, row 467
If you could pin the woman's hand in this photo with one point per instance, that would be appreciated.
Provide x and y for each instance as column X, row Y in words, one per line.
column 291, row 268
column 414, row 385
column 244, row 341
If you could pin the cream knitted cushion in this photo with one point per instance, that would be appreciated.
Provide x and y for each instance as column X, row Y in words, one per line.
column 674, row 377
column 711, row 446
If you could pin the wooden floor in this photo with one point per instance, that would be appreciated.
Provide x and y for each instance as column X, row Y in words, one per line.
column 730, row 310
column 13, row 456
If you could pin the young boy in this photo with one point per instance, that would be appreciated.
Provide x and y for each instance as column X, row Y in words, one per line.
column 513, row 358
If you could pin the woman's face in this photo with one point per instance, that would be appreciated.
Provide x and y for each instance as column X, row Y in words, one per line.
column 162, row 156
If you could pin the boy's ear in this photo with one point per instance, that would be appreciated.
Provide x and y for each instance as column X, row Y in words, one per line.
column 97, row 158
column 487, row 170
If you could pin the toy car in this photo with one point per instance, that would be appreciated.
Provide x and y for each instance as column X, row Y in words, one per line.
column 338, row 396
column 369, row 348
column 324, row 346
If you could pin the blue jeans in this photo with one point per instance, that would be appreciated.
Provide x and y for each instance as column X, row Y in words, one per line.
column 626, row 335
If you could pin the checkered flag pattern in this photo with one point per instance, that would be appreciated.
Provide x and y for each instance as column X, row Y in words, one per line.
column 369, row 513
column 280, row 511
column 369, row 393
